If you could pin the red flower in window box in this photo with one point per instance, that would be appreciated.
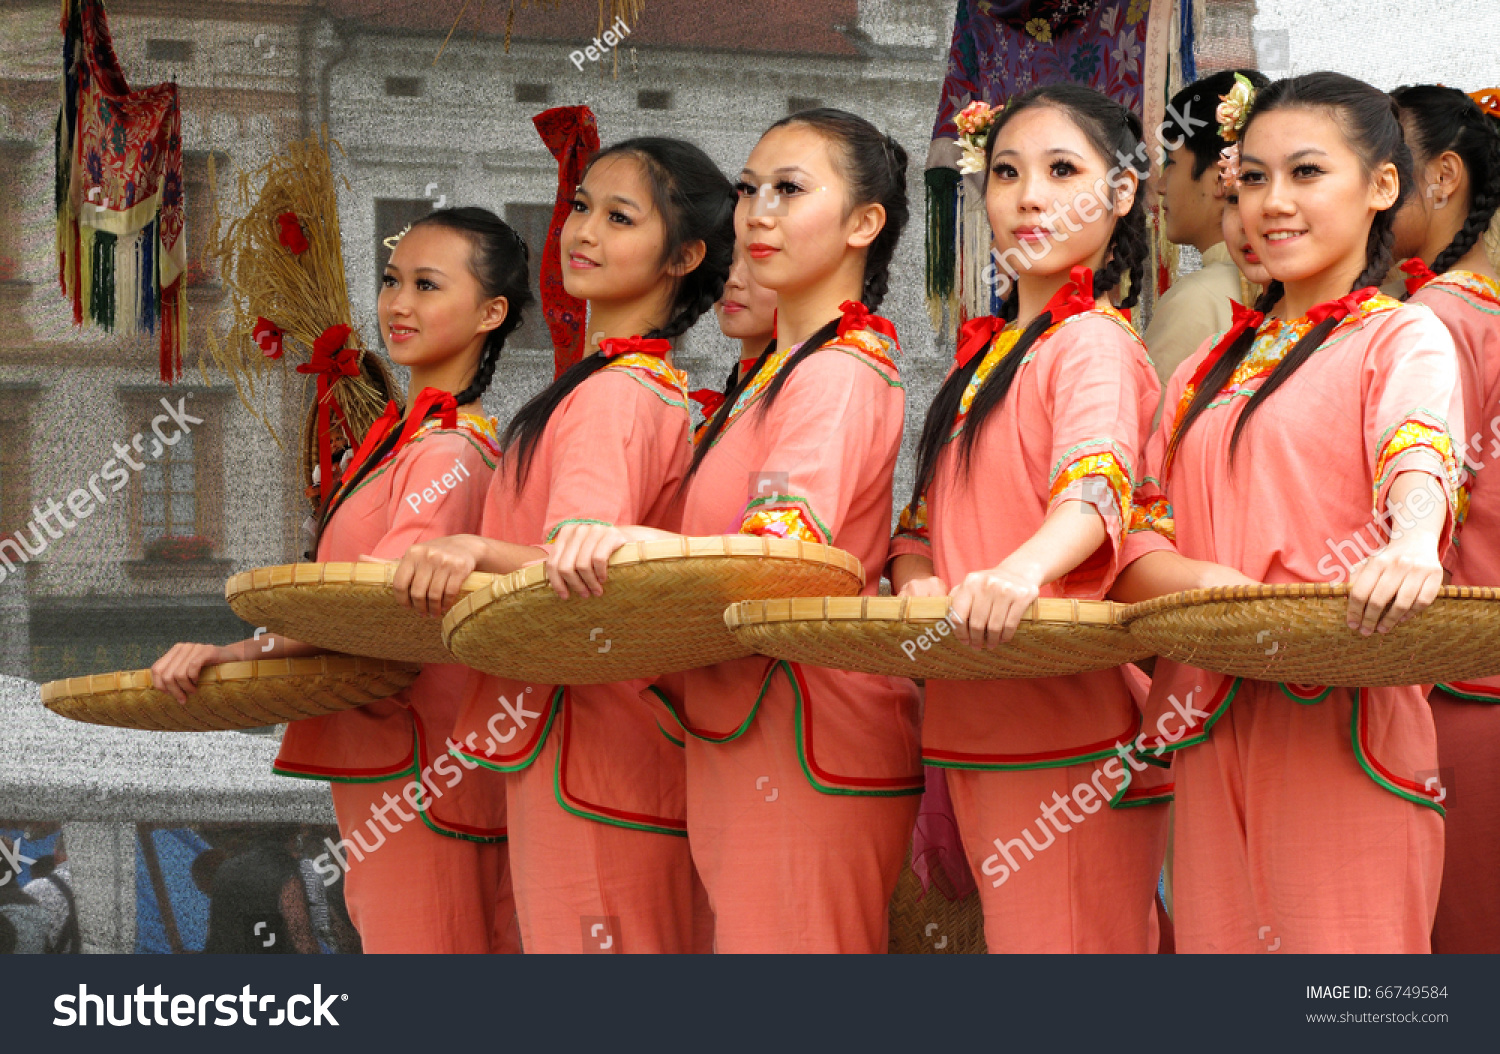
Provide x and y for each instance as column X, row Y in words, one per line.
column 291, row 233
column 169, row 547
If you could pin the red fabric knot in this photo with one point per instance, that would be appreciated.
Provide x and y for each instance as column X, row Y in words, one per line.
column 1420, row 273
column 291, row 234
column 377, row 431
column 1341, row 308
column 976, row 336
column 268, row 337
column 709, row 399
column 428, row 402
column 614, row 347
column 330, row 361
column 857, row 316
column 1075, row 297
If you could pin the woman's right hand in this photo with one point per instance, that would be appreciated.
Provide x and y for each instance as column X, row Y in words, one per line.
column 429, row 577
column 176, row 672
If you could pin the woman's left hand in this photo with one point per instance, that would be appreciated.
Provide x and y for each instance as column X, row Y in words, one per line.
column 988, row 605
column 1396, row 583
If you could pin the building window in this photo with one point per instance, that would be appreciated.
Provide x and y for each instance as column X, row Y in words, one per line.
column 392, row 216
column 534, row 93
column 653, row 100
column 532, row 222
column 403, row 87
column 177, row 497
column 798, row 103
column 169, row 50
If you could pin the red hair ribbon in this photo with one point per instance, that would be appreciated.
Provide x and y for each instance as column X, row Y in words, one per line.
column 377, row 431
column 1341, row 308
column 976, row 335
column 857, row 316
column 614, row 347
column 291, row 234
column 1075, row 297
column 1244, row 319
column 428, row 401
column 330, row 362
column 1488, row 100
column 268, row 337
column 709, row 399
column 1420, row 273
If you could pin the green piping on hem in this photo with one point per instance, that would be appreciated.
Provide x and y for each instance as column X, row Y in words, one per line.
column 1364, row 763
column 802, row 754
column 755, row 709
column 541, row 741
column 1305, row 702
column 1468, row 696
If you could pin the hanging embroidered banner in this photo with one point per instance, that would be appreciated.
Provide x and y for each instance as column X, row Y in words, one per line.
column 121, row 245
column 572, row 135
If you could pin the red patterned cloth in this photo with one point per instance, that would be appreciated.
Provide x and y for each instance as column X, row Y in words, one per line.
column 121, row 244
column 572, row 135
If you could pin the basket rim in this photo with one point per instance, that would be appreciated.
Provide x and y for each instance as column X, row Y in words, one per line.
column 1278, row 591
column 331, row 573
column 328, row 664
column 910, row 611
column 664, row 550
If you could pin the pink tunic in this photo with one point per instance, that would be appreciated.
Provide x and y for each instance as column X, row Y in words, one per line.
column 1469, row 305
column 1295, row 828
column 613, row 452
column 1072, row 426
column 403, row 501
column 817, row 467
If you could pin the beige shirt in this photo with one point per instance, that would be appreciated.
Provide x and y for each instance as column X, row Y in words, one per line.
column 1195, row 308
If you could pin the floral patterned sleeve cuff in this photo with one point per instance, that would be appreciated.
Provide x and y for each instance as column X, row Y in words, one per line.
column 785, row 516
column 1100, row 480
column 912, row 534
column 1421, row 443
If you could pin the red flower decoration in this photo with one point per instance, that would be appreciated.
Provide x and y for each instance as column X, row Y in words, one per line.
column 268, row 338
column 614, row 347
column 291, row 233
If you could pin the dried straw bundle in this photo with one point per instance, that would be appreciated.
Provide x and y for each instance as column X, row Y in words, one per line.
column 299, row 288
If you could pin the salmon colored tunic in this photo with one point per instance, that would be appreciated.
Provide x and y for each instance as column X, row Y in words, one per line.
column 1072, row 427
column 802, row 778
column 1468, row 918
column 1305, row 815
column 614, row 452
column 431, row 487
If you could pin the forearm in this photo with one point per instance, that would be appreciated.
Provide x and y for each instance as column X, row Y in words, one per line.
column 1414, row 516
column 268, row 646
column 498, row 557
column 1069, row 535
column 1166, row 571
column 909, row 566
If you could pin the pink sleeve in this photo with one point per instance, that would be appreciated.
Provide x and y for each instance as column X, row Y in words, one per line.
column 1102, row 392
column 835, row 414
column 1152, row 525
column 438, row 487
column 1413, row 407
column 617, row 447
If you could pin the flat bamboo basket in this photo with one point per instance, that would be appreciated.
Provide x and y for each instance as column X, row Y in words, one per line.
column 1299, row 634
column 933, row 924
column 348, row 608
column 912, row 637
column 231, row 695
column 662, row 609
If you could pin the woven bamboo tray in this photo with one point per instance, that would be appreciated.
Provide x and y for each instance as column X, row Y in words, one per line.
column 1299, row 634
column 931, row 924
column 662, row 609
column 886, row 635
column 231, row 695
column 348, row 608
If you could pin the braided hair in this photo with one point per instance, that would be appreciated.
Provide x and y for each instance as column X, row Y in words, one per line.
column 1115, row 133
column 500, row 263
column 1370, row 121
column 874, row 168
column 696, row 202
column 1444, row 119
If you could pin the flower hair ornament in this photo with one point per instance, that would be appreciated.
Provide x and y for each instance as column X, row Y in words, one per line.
column 973, row 124
column 1488, row 100
column 390, row 243
column 1232, row 113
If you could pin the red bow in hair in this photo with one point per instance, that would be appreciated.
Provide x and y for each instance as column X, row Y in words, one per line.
column 291, row 234
column 709, row 399
column 976, row 335
column 268, row 337
column 614, row 347
column 1075, row 297
column 857, row 316
column 1244, row 319
column 1341, row 308
column 429, row 401
column 330, row 361
column 1420, row 273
